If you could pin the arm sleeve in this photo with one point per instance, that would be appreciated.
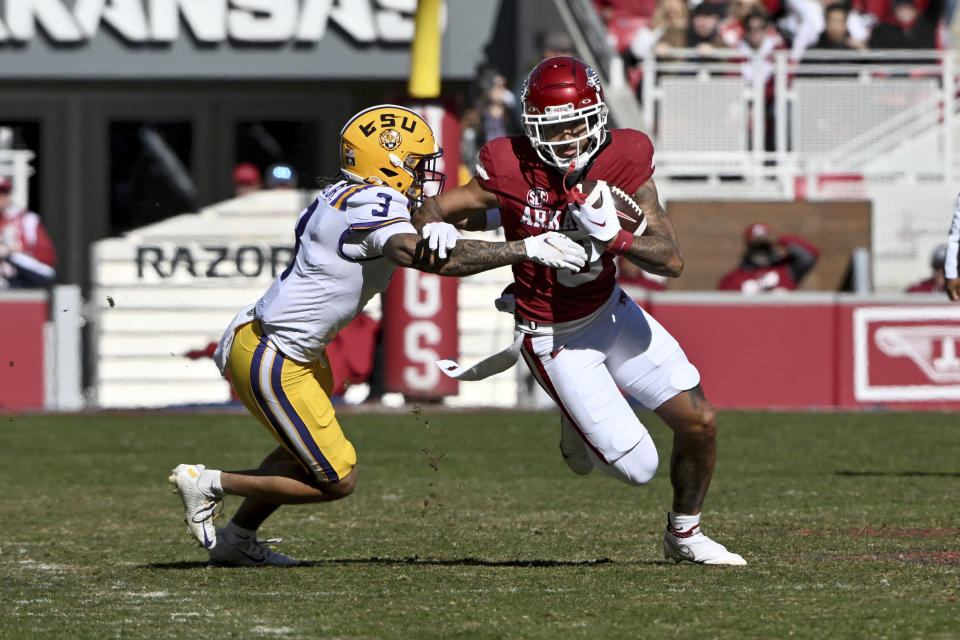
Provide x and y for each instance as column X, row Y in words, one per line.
column 488, row 172
column 802, row 256
column 494, row 170
column 379, row 237
column 34, row 262
column 31, row 271
column 953, row 242
column 810, row 24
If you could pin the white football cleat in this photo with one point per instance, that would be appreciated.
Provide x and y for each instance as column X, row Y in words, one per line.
column 248, row 553
column 694, row 546
column 199, row 509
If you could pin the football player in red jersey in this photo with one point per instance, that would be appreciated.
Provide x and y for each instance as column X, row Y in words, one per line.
column 582, row 337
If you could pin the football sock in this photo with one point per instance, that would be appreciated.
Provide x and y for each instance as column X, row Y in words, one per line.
column 682, row 521
column 234, row 532
column 209, row 483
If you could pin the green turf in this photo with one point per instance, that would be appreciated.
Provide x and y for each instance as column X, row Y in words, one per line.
column 470, row 525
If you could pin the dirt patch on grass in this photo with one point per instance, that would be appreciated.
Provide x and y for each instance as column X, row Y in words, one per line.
column 940, row 532
column 919, row 557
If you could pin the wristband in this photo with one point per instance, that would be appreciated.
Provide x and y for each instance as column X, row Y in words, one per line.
column 621, row 243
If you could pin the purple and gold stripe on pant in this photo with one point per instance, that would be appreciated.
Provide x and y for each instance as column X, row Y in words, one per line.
column 266, row 382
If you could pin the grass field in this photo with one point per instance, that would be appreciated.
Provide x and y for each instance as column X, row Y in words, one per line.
column 470, row 525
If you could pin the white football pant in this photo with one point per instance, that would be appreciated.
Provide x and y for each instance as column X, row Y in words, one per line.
column 584, row 368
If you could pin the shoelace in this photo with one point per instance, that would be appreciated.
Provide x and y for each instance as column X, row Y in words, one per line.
column 267, row 546
column 270, row 543
column 210, row 510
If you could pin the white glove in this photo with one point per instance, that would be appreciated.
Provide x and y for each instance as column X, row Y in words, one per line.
column 555, row 250
column 601, row 223
column 440, row 237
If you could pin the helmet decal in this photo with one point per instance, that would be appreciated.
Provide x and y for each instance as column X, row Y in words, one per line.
column 561, row 108
column 593, row 80
column 394, row 146
column 390, row 139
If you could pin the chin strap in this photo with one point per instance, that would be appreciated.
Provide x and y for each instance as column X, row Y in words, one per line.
column 572, row 194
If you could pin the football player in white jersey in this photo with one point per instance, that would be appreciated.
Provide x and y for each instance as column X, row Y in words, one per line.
column 349, row 241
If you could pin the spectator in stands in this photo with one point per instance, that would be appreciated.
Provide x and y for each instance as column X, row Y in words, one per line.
column 760, row 39
column 730, row 28
column 492, row 112
column 770, row 263
column 935, row 283
column 703, row 34
column 800, row 21
column 27, row 255
column 246, row 179
column 877, row 11
column 911, row 29
column 281, row 176
column 667, row 30
column 624, row 18
column 836, row 34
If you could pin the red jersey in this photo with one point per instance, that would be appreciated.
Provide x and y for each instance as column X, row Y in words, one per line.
column 772, row 278
column 533, row 201
column 783, row 275
column 930, row 285
column 33, row 256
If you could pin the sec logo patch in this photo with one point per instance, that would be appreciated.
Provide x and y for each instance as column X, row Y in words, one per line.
column 537, row 197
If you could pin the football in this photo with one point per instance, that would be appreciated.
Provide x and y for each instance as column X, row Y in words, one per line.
column 629, row 212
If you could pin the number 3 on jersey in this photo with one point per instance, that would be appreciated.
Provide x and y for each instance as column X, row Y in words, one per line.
column 384, row 208
column 568, row 279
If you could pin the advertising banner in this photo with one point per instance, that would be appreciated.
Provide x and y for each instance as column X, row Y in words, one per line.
column 902, row 355
column 818, row 350
column 419, row 328
column 22, row 316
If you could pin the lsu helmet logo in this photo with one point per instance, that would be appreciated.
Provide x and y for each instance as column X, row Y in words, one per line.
column 537, row 197
column 390, row 139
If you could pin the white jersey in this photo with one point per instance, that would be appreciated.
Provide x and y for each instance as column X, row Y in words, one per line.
column 950, row 266
column 338, row 265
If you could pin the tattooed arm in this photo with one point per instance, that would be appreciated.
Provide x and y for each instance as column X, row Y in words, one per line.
column 656, row 250
column 473, row 256
column 466, row 258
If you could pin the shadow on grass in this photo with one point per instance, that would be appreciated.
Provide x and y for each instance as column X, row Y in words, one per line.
column 900, row 474
column 425, row 562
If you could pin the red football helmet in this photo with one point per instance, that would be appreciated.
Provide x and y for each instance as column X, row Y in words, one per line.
column 566, row 92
